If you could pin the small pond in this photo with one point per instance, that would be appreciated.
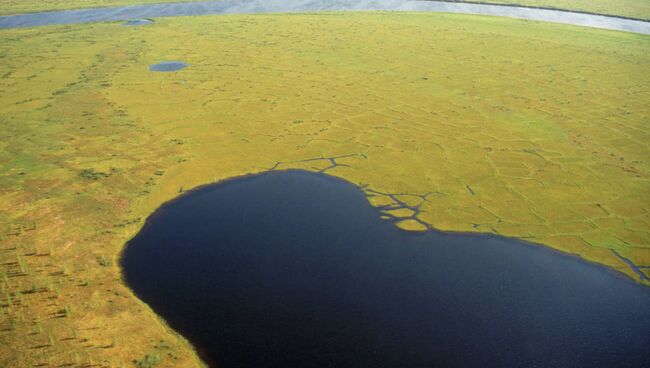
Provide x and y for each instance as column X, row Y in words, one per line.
column 296, row 269
column 167, row 66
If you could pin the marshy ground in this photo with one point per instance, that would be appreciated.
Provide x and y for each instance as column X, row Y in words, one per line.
column 461, row 123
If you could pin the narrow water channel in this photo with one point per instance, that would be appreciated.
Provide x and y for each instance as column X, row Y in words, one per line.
column 296, row 269
column 282, row 6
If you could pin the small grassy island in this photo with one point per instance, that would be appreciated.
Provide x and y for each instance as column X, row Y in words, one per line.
column 466, row 123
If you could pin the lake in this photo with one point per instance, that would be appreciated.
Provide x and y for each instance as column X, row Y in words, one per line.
column 296, row 269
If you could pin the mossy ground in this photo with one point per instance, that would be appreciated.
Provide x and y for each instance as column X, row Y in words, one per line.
column 532, row 130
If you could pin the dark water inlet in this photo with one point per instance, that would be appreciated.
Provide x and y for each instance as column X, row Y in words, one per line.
column 296, row 269
column 167, row 66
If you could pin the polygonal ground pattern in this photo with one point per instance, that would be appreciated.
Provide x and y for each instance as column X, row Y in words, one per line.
column 458, row 123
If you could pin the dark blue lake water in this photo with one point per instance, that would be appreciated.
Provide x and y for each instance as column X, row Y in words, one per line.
column 296, row 269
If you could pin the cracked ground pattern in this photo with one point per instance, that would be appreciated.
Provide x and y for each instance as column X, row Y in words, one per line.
column 458, row 123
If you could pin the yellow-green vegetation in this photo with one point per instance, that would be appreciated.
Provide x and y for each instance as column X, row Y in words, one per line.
column 531, row 130
column 639, row 9
column 30, row 6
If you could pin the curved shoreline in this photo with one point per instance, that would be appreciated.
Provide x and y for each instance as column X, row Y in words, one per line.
column 384, row 216
column 278, row 6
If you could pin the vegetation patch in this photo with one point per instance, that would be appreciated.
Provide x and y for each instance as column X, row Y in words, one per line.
column 91, row 174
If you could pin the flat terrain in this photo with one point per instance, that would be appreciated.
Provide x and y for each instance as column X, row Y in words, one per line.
column 531, row 130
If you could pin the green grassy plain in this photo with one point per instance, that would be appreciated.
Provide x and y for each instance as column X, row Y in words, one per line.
column 532, row 130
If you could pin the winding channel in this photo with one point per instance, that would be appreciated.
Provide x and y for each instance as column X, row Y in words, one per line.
column 280, row 6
